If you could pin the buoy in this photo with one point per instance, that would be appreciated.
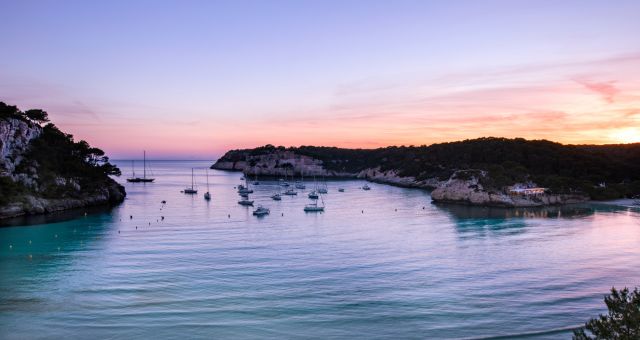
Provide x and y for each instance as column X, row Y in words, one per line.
column 118, row 231
column 29, row 241
column 282, row 214
column 422, row 208
column 56, row 236
column 85, row 214
column 130, row 217
column 162, row 217
column 149, row 223
column 229, row 216
column 10, row 246
column 136, row 227
column 363, row 211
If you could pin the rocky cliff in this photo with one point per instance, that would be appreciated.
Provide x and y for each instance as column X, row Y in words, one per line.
column 469, row 189
column 43, row 170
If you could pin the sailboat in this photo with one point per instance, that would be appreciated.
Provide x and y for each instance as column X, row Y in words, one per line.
column 191, row 190
column 244, row 190
column 323, row 187
column 284, row 184
column 207, row 195
column 314, row 207
column 300, row 184
column 144, row 178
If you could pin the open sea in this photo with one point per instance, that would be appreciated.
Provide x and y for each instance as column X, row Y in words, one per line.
column 384, row 263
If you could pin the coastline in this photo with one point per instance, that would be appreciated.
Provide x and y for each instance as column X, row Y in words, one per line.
column 29, row 205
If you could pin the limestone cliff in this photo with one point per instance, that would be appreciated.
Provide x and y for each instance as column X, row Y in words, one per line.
column 35, row 169
column 469, row 189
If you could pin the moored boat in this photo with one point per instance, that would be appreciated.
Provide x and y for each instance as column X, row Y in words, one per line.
column 261, row 211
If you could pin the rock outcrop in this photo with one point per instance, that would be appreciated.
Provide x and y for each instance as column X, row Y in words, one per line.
column 470, row 190
column 15, row 137
column 20, row 173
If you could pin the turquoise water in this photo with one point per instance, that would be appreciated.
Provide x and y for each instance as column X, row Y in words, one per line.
column 384, row 263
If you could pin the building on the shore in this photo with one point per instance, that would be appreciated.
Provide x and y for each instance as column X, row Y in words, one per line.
column 515, row 190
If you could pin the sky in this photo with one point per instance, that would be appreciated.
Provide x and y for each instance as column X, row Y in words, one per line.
column 192, row 79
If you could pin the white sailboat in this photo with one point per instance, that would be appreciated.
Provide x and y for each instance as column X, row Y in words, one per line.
column 192, row 189
column 300, row 184
column 314, row 207
column 261, row 211
column 244, row 190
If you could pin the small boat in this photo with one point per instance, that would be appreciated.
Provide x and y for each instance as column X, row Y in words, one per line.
column 245, row 202
column 192, row 189
column 276, row 197
column 261, row 211
column 244, row 190
column 207, row 195
column 144, row 179
column 365, row 187
column 244, row 194
column 300, row 183
column 341, row 189
column 314, row 207
column 322, row 190
column 313, row 195
column 290, row 192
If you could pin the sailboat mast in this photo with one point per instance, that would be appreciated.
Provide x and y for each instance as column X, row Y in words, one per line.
column 192, row 178
column 133, row 168
column 207, row 172
column 144, row 164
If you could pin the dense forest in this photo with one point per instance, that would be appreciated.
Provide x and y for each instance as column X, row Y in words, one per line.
column 601, row 171
column 58, row 164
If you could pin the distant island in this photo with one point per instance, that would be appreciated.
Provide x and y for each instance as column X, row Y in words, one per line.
column 43, row 169
column 485, row 171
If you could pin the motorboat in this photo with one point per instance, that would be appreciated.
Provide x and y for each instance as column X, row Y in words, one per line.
column 261, row 211
column 245, row 202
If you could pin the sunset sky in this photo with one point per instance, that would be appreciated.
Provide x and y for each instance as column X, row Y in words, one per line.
column 191, row 79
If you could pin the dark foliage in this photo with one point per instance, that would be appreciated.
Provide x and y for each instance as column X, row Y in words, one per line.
column 35, row 115
column 622, row 321
column 59, row 156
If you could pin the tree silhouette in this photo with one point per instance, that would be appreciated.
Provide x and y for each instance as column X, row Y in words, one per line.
column 621, row 323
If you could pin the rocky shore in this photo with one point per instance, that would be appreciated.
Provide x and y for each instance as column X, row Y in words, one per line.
column 112, row 194
column 453, row 189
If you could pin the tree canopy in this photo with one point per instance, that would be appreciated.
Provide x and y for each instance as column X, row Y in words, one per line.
column 622, row 321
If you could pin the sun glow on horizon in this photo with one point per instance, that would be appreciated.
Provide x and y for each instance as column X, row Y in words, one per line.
column 625, row 135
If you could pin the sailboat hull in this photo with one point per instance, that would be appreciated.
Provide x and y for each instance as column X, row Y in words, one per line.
column 140, row 180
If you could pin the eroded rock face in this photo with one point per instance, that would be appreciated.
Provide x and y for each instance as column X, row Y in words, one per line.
column 15, row 137
column 471, row 191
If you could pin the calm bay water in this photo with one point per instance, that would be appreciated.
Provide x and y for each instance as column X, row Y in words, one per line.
column 384, row 263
